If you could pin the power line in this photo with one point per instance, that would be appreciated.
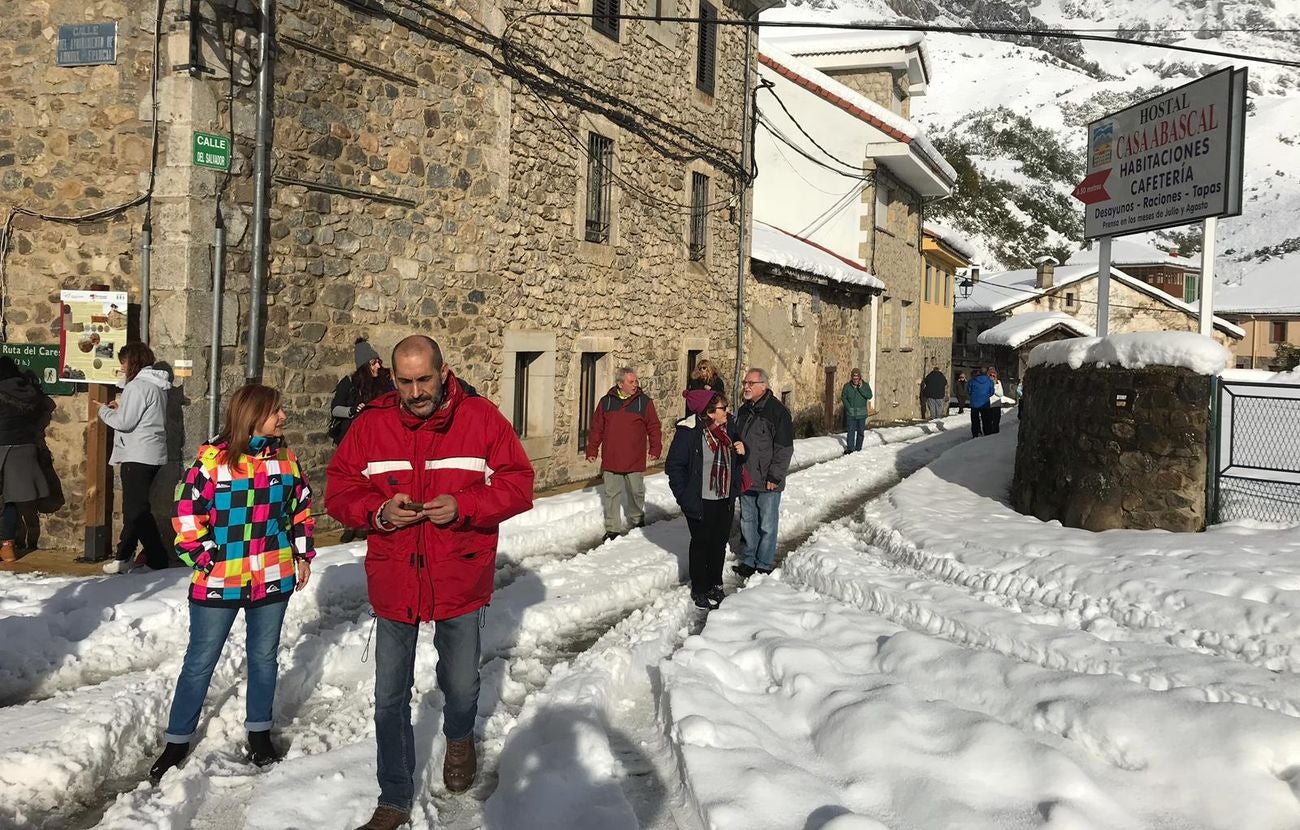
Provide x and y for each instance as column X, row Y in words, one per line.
column 776, row 133
column 771, row 88
column 1060, row 34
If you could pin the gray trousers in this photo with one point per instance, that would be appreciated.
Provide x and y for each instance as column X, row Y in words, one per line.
column 616, row 486
column 937, row 406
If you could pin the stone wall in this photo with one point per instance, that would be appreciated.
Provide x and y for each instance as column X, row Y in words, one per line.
column 798, row 330
column 73, row 140
column 893, row 253
column 416, row 186
column 1089, row 463
column 882, row 85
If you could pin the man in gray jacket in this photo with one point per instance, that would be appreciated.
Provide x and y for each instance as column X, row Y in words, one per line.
column 767, row 443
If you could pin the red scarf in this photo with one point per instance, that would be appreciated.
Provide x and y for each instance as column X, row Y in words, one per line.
column 720, row 444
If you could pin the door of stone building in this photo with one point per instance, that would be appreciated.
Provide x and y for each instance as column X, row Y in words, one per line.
column 828, row 398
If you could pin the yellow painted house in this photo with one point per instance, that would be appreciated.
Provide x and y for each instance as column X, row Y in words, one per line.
column 943, row 253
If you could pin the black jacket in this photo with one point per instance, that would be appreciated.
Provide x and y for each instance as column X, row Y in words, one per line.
column 685, row 466
column 935, row 385
column 23, row 407
column 767, row 431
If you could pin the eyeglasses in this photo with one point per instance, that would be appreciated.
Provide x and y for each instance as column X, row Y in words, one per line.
column 716, row 408
column 752, row 382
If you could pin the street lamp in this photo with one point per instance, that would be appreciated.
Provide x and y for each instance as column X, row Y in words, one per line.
column 964, row 286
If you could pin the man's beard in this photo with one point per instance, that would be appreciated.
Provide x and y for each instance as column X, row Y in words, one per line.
column 435, row 401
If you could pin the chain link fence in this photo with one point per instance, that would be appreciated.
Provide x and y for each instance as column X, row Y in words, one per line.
column 1257, row 474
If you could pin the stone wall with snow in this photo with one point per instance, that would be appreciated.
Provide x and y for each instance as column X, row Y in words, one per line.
column 1104, row 447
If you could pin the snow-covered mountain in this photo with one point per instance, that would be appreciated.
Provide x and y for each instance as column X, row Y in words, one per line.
column 1010, row 115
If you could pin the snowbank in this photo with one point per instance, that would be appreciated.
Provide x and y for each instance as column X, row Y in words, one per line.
column 1019, row 329
column 1137, row 350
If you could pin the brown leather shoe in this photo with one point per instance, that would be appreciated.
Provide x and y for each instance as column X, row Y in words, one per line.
column 386, row 818
column 459, row 765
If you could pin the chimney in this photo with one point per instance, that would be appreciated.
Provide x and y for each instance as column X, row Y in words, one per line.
column 973, row 273
column 1046, row 266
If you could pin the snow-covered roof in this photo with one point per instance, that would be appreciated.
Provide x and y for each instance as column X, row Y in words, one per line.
column 1127, row 252
column 1019, row 329
column 951, row 238
column 1271, row 287
column 857, row 104
column 777, row 247
column 999, row 292
column 856, row 43
column 1136, row 350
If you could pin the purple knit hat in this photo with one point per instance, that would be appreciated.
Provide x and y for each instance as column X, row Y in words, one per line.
column 697, row 400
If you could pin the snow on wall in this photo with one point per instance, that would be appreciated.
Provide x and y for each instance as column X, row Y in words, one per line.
column 1136, row 351
column 1019, row 329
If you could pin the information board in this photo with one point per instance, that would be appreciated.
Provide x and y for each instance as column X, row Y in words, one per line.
column 94, row 332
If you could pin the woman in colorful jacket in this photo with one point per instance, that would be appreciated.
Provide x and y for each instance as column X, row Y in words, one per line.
column 243, row 523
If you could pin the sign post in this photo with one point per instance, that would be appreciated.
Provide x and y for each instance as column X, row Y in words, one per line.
column 1173, row 159
column 90, row 340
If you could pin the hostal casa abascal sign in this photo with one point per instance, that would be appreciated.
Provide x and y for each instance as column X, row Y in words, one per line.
column 1170, row 160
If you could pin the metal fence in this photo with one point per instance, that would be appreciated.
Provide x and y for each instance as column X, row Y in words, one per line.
column 1256, row 452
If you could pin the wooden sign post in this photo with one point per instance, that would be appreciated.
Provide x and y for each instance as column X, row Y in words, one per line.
column 99, row 485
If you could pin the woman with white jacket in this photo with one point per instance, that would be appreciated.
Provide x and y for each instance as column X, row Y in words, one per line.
column 138, row 419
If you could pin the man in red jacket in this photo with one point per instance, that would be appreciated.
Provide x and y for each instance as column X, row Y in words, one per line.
column 623, row 422
column 432, row 470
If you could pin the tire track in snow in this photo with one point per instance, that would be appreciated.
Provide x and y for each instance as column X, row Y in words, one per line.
column 841, row 564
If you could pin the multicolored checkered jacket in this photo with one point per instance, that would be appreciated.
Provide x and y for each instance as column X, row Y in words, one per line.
column 242, row 529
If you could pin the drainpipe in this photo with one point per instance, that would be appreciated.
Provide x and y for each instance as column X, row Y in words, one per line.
column 746, row 156
column 261, row 171
column 146, row 250
column 218, row 295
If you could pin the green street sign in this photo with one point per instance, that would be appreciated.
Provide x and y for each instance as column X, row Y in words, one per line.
column 43, row 361
column 211, row 151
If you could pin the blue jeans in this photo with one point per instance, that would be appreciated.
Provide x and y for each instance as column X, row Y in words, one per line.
column 856, row 428
column 209, row 628
column 457, row 641
column 759, row 513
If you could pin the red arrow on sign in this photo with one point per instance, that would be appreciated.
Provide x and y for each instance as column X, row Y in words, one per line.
column 1092, row 188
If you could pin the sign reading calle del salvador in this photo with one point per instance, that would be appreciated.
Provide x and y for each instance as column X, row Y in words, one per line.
column 211, row 151
column 1170, row 160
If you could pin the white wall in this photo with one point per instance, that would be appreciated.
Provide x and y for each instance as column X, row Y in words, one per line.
column 793, row 193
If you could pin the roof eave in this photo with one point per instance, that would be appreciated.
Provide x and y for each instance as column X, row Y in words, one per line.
column 911, row 167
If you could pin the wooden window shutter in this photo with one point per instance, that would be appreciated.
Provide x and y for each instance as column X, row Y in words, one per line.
column 706, row 61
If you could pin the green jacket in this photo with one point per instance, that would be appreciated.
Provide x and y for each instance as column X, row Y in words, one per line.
column 855, row 400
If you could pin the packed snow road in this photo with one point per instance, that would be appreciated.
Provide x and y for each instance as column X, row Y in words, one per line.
column 941, row 661
column 95, row 661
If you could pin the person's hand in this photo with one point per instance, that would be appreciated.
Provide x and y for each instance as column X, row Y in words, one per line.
column 739, row 447
column 654, row 458
column 112, row 404
column 442, row 510
column 771, row 486
column 591, row 459
column 394, row 513
column 304, row 574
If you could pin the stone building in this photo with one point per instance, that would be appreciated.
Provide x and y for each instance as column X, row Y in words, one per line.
column 550, row 199
column 806, row 315
column 1177, row 276
column 856, row 189
column 1072, row 290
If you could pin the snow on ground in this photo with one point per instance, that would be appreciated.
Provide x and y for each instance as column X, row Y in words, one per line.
column 96, row 659
column 943, row 661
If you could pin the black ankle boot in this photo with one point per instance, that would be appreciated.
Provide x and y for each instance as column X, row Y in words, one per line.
column 260, row 749
column 172, row 755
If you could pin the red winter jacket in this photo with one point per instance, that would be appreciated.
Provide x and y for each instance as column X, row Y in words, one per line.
column 620, row 428
column 467, row 449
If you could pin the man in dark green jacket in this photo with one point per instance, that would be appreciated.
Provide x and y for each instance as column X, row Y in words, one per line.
column 856, row 398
